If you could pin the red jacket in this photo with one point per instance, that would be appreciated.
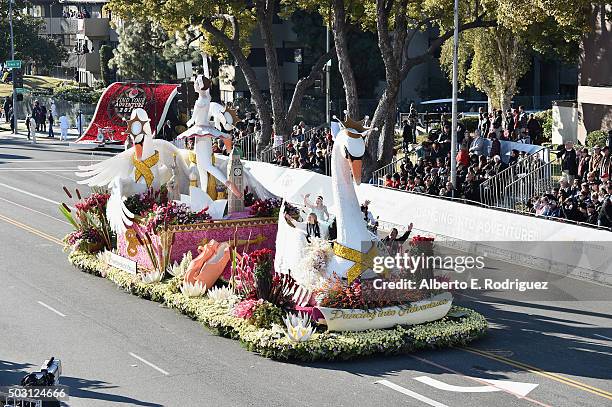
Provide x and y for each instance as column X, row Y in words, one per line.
column 463, row 158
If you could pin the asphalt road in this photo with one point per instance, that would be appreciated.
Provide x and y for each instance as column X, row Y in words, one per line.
column 118, row 349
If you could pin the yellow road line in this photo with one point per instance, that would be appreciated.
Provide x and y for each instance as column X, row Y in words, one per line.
column 538, row 371
column 31, row 230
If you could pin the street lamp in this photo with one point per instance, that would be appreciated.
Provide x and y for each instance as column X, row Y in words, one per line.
column 454, row 108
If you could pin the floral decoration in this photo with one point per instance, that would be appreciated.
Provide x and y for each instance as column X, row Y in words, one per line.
column 265, row 207
column 245, row 308
column 459, row 327
column 173, row 213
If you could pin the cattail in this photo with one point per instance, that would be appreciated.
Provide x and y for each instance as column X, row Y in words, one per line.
column 78, row 193
column 139, row 239
column 67, row 192
column 66, row 207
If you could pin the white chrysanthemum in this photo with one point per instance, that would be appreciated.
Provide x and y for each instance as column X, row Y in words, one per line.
column 299, row 328
column 222, row 294
column 179, row 269
column 193, row 290
column 152, row 277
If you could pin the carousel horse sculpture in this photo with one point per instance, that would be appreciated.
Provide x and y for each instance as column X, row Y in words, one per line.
column 355, row 246
column 150, row 163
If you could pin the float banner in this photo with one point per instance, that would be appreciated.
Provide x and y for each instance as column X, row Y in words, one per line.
column 118, row 101
column 415, row 313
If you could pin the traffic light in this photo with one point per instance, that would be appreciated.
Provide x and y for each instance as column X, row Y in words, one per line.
column 18, row 78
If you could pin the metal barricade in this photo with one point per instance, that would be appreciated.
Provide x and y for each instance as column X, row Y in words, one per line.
column 493, row 190
column 18, row 402
column 248, row 145
column 378, row 176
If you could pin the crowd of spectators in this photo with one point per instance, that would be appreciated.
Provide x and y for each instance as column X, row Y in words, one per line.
column 584, row 191
column 76, row 13
column 308, row 149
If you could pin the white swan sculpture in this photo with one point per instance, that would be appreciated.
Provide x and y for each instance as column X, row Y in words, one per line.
column 148, row 164
column 355, row 246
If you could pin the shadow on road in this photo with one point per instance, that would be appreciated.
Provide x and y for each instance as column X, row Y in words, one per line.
column 84, row 389
column 560, row 345
column 11, row 374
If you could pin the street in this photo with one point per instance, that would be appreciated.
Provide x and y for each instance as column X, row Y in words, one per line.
column 118, row 349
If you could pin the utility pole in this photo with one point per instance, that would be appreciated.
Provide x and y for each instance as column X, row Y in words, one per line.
column 13, row 74
column 327, row 75
column 454, row 109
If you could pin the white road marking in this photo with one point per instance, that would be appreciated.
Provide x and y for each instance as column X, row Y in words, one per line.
column 411, row 393
column 34, row 210
column 146, row 362
column 60, row 176
column 476, row 379
column 517, row 388
column 42, row 198
column 602, row 336
column 51, row 308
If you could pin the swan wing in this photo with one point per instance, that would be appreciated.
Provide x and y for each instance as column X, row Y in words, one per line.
column 104, row 172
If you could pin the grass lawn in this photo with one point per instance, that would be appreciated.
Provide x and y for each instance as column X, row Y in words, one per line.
column 33, row 82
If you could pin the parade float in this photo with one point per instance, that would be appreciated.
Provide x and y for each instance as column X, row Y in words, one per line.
column 197, row 232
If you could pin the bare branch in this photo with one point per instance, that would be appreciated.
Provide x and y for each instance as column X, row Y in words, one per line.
column 305, row 82
column 437, row 43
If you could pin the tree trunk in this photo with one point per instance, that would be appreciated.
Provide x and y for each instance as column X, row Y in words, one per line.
column 265, row 13
column 345, row 67
column 379, row 145
column 233, row 46
column 505, row 101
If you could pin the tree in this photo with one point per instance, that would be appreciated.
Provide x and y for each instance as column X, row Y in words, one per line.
column 397, row 22
column 45, row 53
column 493, row 60
column 339, row 16
column 106, row 53
column 139, row 53
column 226, row 27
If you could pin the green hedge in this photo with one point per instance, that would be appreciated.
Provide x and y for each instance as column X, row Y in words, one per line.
column 274, row 344
column 597, row 138
column 73, row 93
column 546, row 121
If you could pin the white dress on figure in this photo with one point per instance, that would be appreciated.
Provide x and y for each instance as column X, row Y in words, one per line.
column 204, row 134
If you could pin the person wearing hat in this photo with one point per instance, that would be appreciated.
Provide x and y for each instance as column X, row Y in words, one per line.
column 591, row 214
column 569, row 161
column 606, row 162
column 596, row 158
column 583, row 162
column 604, row 217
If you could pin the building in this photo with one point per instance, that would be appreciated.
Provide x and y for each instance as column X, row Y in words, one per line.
column 232, row 84
column 595, row 73
column 83, row 27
